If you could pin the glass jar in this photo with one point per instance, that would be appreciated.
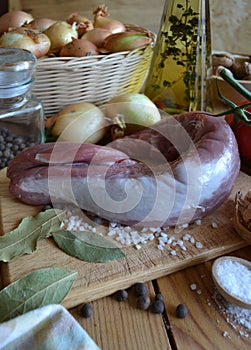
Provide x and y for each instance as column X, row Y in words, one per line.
column 21, row 113
column 179, row 75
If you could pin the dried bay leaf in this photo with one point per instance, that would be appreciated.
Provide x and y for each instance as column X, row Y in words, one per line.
column 87, row 246
column 23, row 239
column 34, row 290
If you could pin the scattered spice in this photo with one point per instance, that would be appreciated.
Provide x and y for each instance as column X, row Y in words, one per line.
column 87, row 310
column 181, row 311
column 235, row 278
column 143, row 302
column 121, row 295
column 160, row 297
column 140, row 289
column 157, row 307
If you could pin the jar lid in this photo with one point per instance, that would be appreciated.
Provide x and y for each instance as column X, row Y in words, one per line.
column 17, row 67
column 15, row 91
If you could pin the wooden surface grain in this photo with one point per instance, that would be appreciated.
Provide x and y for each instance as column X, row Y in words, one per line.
column 96, row 280
column 120, row 325
column 115, row 325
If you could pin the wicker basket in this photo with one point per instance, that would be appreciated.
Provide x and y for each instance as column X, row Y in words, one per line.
column 60, row 81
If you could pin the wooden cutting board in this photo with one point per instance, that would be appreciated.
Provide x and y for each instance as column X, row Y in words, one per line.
column 96, row 280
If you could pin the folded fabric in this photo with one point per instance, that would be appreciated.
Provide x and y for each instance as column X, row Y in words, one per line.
column 50, row 327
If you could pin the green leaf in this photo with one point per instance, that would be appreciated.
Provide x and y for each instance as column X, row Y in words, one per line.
column 23, row 239
column 87, row 246
column 34, row 290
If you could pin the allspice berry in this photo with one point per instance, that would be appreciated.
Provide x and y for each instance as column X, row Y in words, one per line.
column 87, row 310
column 157, row 307
column 143, row 302
column 159, row 296
column 121, row 295
column 181, row 311
column 140, row 289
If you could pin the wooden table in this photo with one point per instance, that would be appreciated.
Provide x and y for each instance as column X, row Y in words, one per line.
column 120, row 325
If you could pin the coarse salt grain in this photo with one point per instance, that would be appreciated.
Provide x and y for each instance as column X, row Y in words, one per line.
column 235, row 278
column 186, row 237
column 193, row 286
column 214, row 224
column 239, row 318
column 192, row 240
column 199, row 245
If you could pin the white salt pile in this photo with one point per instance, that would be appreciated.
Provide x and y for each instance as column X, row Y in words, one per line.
column 235, row 278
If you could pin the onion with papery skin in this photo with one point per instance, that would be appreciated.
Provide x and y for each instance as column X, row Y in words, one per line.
column 126, row 41
column 102, row 20
column 97, row 36
column 132, row 112
column 83, row 23
column 78, row 48
column 75, row 17
column 80, row 122
column 60, row 34
column 28, row 39
column 41, row 24
column 14, row 19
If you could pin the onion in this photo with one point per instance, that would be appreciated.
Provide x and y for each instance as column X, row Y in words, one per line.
column 126, row 41
column 60, row 34
column 28, row 39
column 78, row 48
column 83, row 23
column 75, row 17
column 102, row 20
column 132, row 112
column 97, row 36
column 80, row 122
column 14, row 19
column 40, row 24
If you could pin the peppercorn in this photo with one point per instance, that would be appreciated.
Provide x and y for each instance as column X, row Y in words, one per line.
column 87, row 310
column 140, row 289
column 160, row 297
column 121, row 295
column 181, row 311
column 143, row 302
column 157, row 307
column 11, row 145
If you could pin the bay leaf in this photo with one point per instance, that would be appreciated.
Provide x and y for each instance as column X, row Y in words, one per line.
column 87, row 246
column 34, row 290
column 23, row 239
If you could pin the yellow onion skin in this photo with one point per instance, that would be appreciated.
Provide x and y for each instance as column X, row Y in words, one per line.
column 14, row 19
column 126, row 41
column 76, row 17
column 22, row 38
column 80, row 122
column 102, row 20
column 97, row 36
column 132, row 112
column 79, row 48
column 60, row 34
column 83, row 23
column 41, row 24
